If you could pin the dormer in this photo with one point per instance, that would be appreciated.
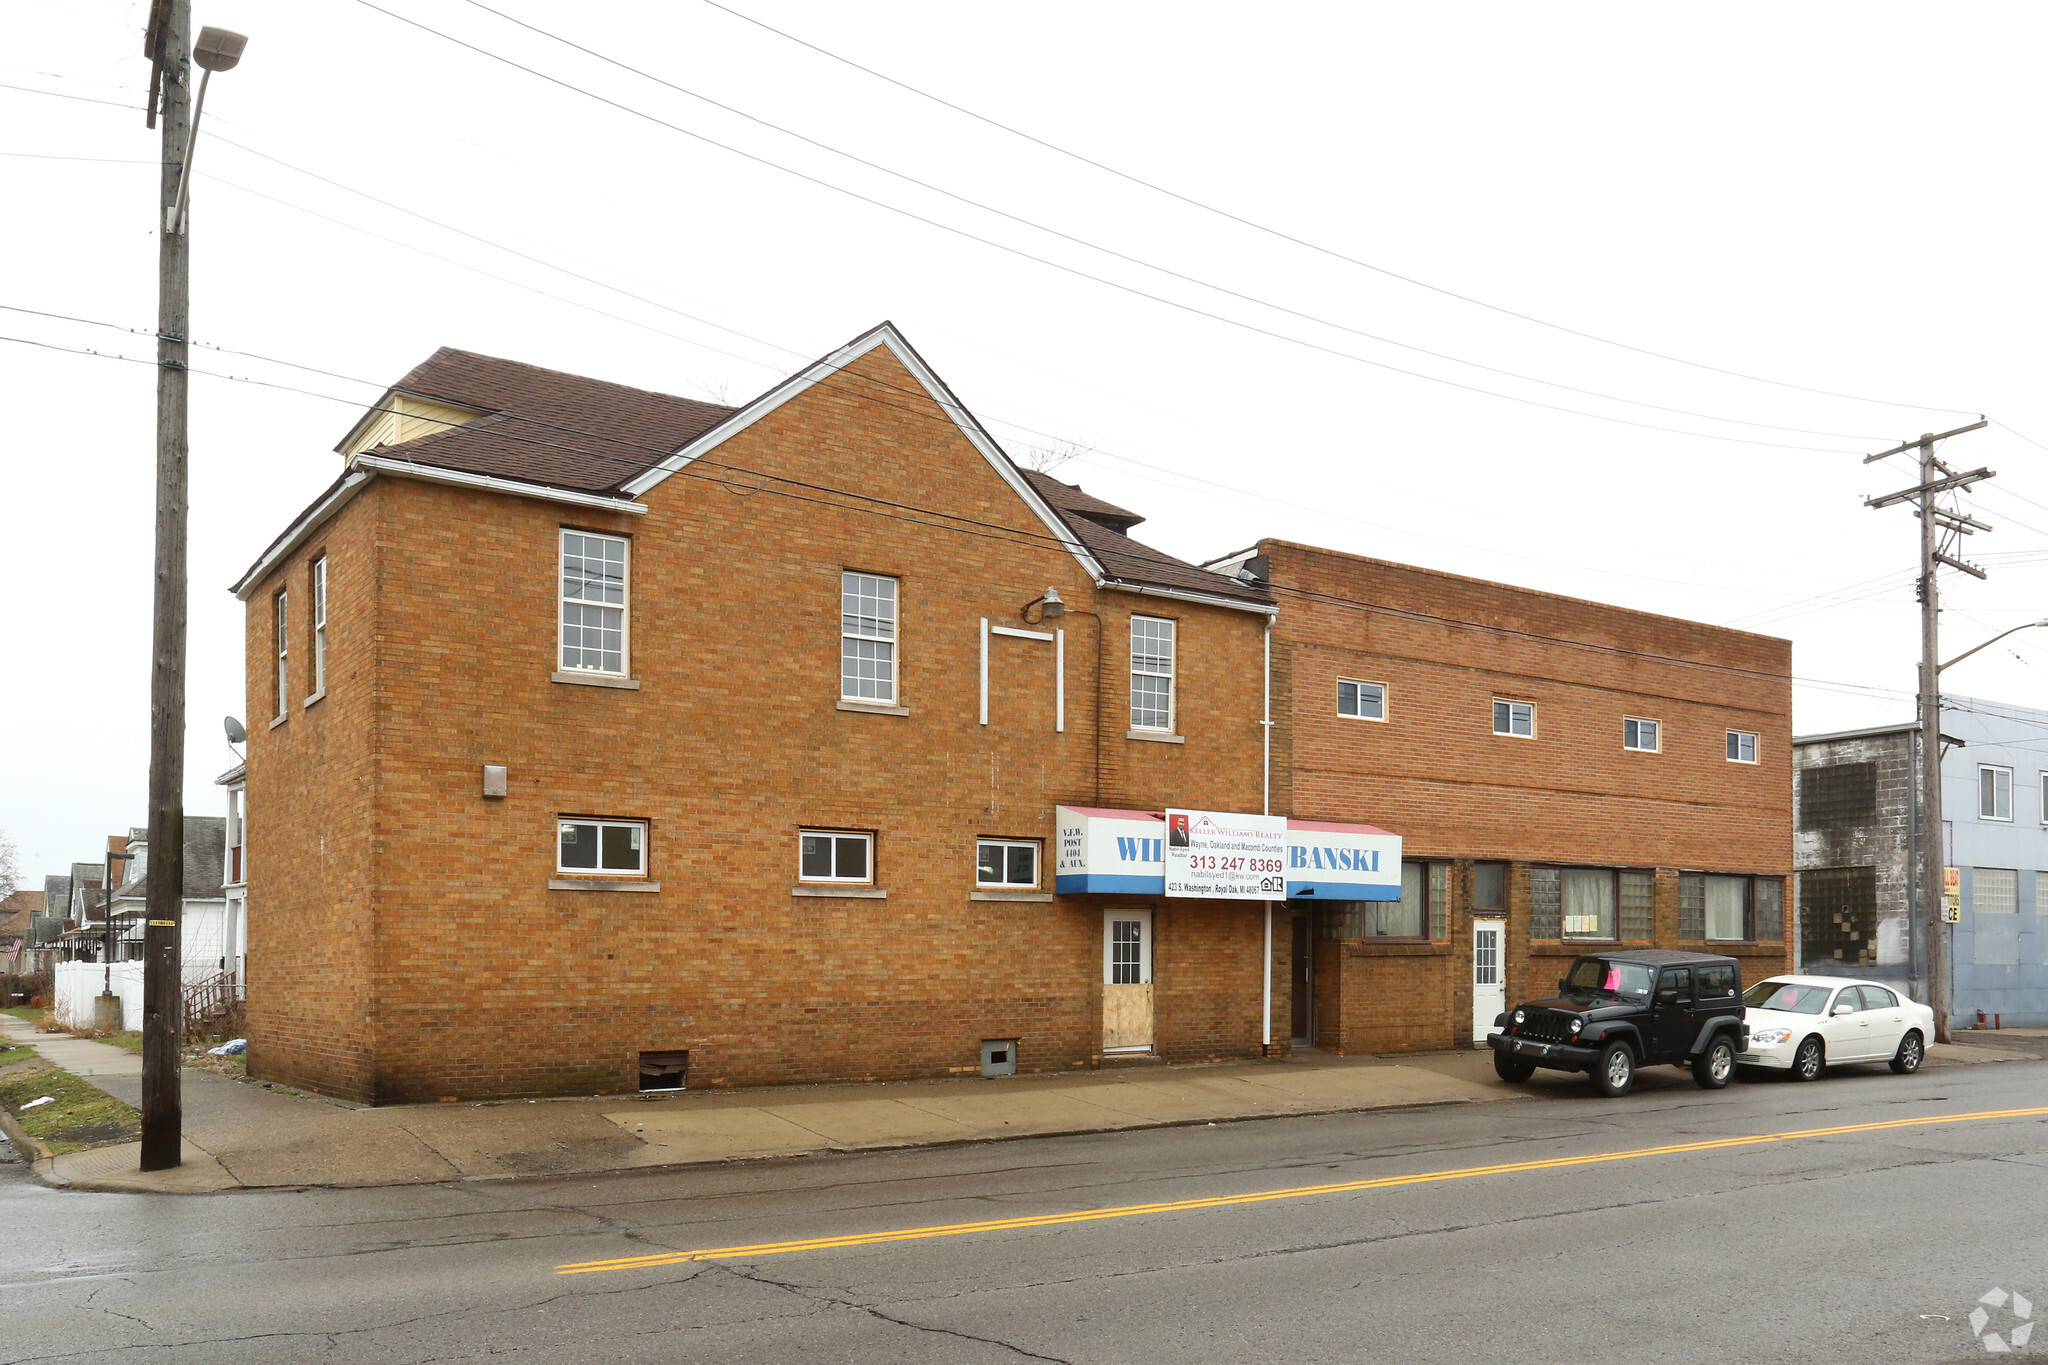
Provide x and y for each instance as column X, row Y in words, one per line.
column 400, row 417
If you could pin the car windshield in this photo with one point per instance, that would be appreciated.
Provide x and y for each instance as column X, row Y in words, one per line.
column 1612, row 978
column 1789, row 996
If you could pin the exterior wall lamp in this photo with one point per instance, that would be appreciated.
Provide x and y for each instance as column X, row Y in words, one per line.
column 1049, row 606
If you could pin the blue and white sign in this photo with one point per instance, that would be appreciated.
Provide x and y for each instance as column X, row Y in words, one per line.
column 1110, row 851
column 1333, row 862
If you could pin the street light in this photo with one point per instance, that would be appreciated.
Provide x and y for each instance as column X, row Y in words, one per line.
column 2028, row 625
column 218, row 49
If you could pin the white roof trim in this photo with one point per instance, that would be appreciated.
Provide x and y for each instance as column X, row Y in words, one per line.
column 311, row 520
column 884, row 335
column 517, row 487
column 1182, row 595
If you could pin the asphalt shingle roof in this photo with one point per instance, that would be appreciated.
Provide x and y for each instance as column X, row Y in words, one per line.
column 1125, row 559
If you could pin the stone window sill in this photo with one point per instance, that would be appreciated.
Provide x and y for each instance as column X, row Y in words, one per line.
column 1156, row 736
column 598, row 884
column 873, row 708
column 866, row 893
column 1412, row 947
column 1045, row 896
column 321, row 695
column 595, row 680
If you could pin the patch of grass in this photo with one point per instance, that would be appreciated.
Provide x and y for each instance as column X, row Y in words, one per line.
column 131, row 1039
column 10, row 1055
column 32, row 1014
column 80, row 1116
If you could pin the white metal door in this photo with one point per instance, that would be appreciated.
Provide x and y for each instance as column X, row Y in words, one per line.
column 1489, row 975
column 1127, row 981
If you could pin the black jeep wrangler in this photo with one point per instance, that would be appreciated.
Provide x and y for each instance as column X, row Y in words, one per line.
column 1617, row 1011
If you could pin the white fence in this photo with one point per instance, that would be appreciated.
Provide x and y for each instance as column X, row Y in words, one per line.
column 79, row 983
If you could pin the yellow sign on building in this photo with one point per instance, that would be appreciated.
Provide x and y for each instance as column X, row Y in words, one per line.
column 1952, row 894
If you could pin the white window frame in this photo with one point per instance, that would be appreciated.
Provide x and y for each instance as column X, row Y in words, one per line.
column 1037, row 863
column 281, row 617
column 1171, row 673
column 1359, row 698
column 865, row 837
column 1656, row 733
column 624, row 606
column 1735, row 738
column 600, row 825
column 849, row 580
column 1996, row 770
column 319, row 577
column 1511, row 704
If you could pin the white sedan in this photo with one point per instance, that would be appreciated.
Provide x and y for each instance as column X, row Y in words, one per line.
column 1804, row 1024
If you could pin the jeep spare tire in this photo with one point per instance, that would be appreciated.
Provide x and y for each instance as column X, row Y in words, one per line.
column 1614, row 1071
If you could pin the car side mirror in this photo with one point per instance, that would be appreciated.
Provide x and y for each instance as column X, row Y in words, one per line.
column 1562, row 984
column 1844, row 1009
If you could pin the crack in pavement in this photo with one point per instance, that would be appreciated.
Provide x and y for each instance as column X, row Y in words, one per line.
column 812, row 1295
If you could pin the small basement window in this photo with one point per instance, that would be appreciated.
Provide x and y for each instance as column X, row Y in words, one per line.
column 664, row 1070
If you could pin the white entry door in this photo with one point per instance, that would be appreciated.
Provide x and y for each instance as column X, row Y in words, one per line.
column 1489, row 975
column 1127, row 980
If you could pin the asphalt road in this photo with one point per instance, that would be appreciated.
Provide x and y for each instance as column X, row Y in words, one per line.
column 1604, row 1244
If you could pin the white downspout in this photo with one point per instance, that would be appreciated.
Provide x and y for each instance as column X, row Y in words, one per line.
column 1266, row 808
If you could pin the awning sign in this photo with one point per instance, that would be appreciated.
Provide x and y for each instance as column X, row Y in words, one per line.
column 1333, row 862
column 1214, row 855
column 1110, row 851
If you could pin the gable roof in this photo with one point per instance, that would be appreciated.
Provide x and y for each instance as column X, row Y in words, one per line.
column 1124, row 560
column 205, row 843
column 544, row 426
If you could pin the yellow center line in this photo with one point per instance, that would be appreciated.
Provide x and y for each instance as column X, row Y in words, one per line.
column 1046, row 1220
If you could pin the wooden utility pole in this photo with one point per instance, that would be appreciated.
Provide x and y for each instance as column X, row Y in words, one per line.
column 163, row 1013
column 1935, row 478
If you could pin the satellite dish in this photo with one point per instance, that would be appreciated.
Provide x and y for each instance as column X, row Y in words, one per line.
column 236, row 734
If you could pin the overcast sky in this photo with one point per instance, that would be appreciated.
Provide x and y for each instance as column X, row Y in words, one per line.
column 1844, row 198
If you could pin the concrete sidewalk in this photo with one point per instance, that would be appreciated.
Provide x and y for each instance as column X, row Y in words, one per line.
column 240, row 1135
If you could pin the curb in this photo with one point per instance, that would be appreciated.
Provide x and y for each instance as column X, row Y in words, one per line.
column 37, row 1152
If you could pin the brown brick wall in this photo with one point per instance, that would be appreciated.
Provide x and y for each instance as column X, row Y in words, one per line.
column 437, row 962
column 1434, row 772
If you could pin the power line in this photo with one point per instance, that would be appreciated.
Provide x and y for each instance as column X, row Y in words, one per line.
column 1035, row 225
column 1076, row 271
column 853, row 501
column 1302, row 242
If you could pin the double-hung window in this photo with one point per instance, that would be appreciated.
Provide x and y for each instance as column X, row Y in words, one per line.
column 867, row 638
column 833, row 856
column 320, row 626
column 1514, row 718
column 1361, row 700
column 593, row 603
column 284, row 651
column 1151, row 673
column 1008, row 863
column 1741, row 746
column 1994, row 793
column 1640, row 735
column 613, row 847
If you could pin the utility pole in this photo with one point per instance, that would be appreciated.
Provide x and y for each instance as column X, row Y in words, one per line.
column 1935, row 478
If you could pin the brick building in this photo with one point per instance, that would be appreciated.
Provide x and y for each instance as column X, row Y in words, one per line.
column 600, row 734
column 1563, row 775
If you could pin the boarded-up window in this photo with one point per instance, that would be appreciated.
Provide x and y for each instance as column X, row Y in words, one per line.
column 1636, row 891
column 1838, row 916
column 1839, row 796
column 1544, row 900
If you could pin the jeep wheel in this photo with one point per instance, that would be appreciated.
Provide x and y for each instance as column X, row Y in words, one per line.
column 1808, row 1062
column 1911, row 1052
column 1615, row 1071
column 1513, row 1070
column 1712, row 1068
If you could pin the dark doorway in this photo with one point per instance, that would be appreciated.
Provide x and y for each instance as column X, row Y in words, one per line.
column 1303, row 978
